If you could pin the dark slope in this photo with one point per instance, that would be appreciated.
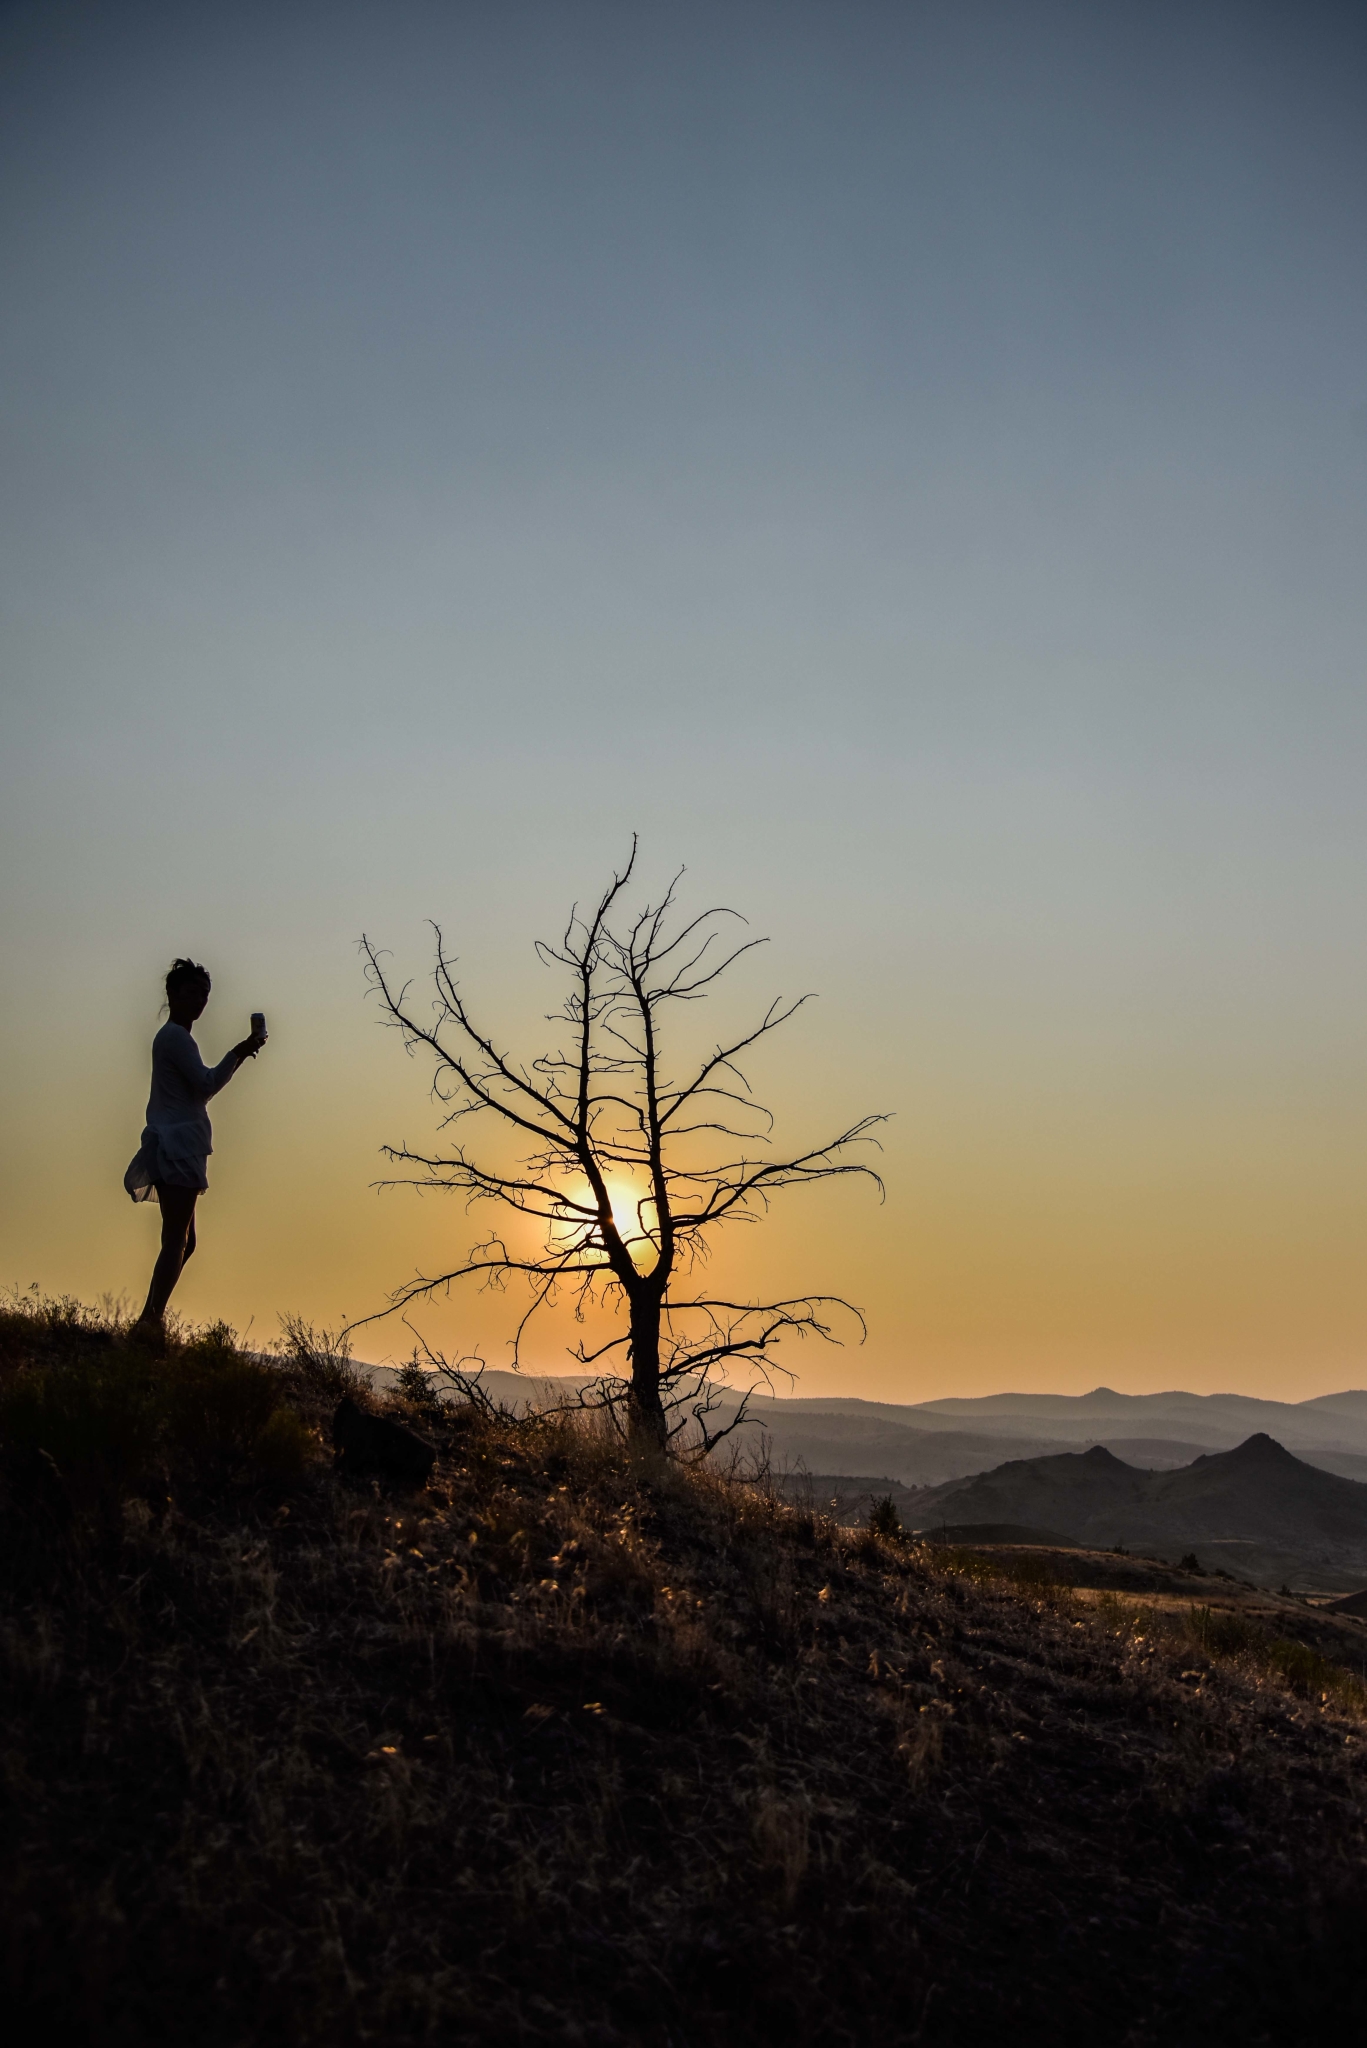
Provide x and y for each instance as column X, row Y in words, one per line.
column 569, row 1750
column 1257, row 1496
column 1070, row 1491
column 1259, row 1489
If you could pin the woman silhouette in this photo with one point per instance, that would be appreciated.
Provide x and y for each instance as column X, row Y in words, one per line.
column 169, row 1166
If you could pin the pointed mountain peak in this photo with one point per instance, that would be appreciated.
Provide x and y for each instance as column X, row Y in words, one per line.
column 1261, row 1449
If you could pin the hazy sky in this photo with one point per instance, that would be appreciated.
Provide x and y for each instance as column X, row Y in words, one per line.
column 909, row 462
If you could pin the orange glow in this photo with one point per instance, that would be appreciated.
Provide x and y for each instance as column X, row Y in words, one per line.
column 624, row 1197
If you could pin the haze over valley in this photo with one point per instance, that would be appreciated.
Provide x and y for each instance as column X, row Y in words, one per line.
column 926, row 1443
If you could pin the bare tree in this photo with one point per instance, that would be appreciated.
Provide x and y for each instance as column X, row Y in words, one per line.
column 599, row 1106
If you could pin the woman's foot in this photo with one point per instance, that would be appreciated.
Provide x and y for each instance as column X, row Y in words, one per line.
column 150, row 1332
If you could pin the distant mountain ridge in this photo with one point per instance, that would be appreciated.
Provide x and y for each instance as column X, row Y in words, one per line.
column 962, row 1436
column 1255, row 1509
column 1331, row 1419
column 930, row 1443
column 1180, row 1472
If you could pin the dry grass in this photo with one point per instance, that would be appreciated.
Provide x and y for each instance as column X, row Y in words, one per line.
column 571, row 1749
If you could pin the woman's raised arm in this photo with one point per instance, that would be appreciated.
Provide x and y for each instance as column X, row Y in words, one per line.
column 206, row 1081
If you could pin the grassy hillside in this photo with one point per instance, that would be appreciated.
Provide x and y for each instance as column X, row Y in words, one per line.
column 568, row 1749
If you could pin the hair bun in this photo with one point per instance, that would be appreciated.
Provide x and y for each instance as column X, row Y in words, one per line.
column 181, row 971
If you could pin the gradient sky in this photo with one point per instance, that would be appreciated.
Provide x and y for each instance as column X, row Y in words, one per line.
column 909, row 462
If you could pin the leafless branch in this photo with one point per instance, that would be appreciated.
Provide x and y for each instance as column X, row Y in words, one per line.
column 595, row 1104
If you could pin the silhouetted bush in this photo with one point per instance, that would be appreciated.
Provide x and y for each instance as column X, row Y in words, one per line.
column 884, row 1519
column 217, row 1399
column 100, row 1416
column 1221, row 1632
column 317, row 1363
column 108, row 1415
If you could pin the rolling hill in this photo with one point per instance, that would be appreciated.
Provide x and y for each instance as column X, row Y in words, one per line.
column 939, row 1441
column 1334, row 1422
column 1255, row 1510
column 571, row 1745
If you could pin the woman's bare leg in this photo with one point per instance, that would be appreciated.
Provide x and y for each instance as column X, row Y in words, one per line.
column 177, row 1244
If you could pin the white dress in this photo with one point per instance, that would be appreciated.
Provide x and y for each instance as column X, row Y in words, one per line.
column 178, row 1137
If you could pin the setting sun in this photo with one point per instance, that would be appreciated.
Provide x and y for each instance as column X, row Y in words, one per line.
column 634, row 1215
column 625, row 1198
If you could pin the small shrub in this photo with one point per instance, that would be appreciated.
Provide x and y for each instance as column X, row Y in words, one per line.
column 218, row 1400
column 318, row 1362
column 1306, row 1672
column 97, row 1418
column 1126, row 1617
column 1301, row 1668
column 37, row 1330
column 1189, row 1563
column 107, row 1415
column 1222, row 1633
column 884, row 1519
column 284, row 1444
column 419, row 1387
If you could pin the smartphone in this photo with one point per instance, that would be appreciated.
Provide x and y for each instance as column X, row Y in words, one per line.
column 258, row 1024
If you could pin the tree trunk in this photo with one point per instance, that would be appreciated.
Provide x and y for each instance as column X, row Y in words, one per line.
column 647, row 1415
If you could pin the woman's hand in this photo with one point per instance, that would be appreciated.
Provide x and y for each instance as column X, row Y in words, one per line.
column 248, row 1048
